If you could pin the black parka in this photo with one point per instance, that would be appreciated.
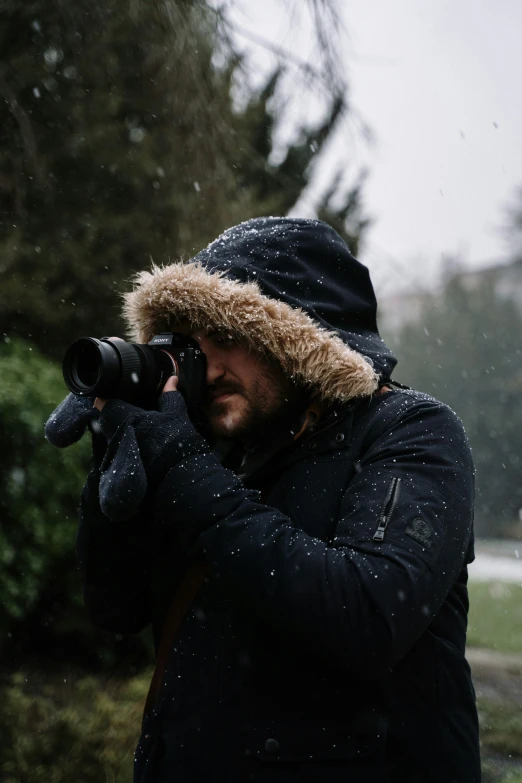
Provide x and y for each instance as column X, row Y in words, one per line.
column 328, row 642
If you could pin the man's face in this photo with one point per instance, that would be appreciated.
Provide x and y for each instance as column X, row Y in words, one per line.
column 248, row 394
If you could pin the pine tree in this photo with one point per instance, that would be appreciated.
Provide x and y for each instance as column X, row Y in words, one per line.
column 120, row 144
column 465, row 350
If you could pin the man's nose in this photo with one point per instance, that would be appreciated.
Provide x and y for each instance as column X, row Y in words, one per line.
column 215, row 368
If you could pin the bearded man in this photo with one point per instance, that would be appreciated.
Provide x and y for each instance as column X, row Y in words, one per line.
column 303, row 565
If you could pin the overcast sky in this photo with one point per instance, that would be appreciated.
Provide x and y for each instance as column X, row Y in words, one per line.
column 438, row 82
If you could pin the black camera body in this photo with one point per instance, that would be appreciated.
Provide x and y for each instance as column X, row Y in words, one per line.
column 137, row 372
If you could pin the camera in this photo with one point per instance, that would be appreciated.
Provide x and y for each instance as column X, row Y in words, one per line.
column 136, row 372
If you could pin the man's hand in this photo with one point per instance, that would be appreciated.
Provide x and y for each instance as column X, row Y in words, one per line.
column 171, row 385
column 143, row 446
column 67, row 423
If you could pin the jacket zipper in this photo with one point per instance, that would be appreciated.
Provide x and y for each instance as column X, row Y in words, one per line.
column 388, row 508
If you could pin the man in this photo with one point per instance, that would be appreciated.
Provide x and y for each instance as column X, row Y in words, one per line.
column 307, row 589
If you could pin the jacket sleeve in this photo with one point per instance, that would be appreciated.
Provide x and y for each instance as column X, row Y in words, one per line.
column 366, row 596
column 114, row 560
column 118, row 543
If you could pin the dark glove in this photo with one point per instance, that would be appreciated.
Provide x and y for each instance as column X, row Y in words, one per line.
column 143, row 447
column 68, row 422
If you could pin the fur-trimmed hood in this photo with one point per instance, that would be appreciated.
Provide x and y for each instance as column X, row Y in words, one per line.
column 290, row 287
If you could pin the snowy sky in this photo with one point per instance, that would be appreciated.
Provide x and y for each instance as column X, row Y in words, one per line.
column 438, row 82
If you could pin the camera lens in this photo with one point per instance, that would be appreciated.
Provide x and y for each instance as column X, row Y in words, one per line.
column 86, row 365
column 91, row 367
column 103, row 368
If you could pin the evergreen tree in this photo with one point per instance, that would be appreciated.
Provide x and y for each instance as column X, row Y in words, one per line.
column 466, row 351
column 514, row 228
column 120, row 143
column 343, row 210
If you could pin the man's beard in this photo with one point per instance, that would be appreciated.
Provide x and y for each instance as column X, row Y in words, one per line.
column 261, row 418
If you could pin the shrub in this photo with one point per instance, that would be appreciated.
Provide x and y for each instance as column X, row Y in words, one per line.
column 61, row 729
column 39, row 485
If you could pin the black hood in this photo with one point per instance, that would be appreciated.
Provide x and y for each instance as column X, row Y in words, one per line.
column 306, row 264
column 290, row 288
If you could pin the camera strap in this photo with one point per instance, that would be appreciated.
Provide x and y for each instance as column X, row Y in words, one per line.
column 197, row 574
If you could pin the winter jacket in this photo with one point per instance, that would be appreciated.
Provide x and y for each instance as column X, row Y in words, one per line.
column 328, row 641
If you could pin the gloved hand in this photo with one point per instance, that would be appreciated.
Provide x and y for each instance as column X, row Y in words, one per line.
column 68, row 421
column 143, row 447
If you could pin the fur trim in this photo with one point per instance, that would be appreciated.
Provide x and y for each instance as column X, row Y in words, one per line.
column 189, row 294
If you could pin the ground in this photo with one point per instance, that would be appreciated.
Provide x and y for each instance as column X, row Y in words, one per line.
column 498, row 684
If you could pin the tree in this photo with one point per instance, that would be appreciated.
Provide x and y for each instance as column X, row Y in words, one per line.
column 345, row 214
column 466, row 351
column 514, row 227
column 121, row 143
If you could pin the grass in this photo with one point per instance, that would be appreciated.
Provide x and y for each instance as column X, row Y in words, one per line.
column 495, row 772
column 495, row 617
column 501, row 727
column 495, row 623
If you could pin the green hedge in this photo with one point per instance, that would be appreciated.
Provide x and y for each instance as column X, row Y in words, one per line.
column 42, row 613
column 39, row 484
column 64, row 729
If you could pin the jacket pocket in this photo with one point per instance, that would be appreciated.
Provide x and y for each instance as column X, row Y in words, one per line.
column 402, row 516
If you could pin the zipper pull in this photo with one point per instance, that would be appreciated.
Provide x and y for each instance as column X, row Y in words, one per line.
column 388, row 508
column 379, row 533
